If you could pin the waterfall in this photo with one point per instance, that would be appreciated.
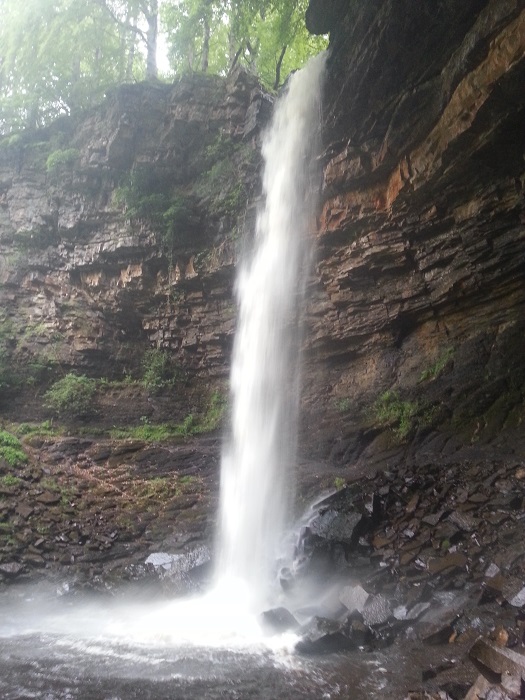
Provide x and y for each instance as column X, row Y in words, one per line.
column 256, row 482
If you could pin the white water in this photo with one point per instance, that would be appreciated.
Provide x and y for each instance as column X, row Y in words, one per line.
column 257, row 463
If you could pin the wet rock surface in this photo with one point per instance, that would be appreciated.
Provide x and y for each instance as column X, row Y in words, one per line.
column 435, row 555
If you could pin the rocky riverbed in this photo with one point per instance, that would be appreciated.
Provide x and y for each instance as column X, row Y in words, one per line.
column 428, row 555
column 426, row 559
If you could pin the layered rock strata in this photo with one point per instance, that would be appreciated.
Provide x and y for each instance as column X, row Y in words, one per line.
column 119, row 230
column 417, row 318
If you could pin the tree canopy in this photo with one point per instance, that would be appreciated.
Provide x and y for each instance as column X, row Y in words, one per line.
column 60, row 56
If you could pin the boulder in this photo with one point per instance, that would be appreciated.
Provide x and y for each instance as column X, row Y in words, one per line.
column 354, row 598
column 278, row 620
column 322, row 635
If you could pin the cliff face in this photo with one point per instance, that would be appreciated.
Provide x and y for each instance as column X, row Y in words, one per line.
column 415, row 334
column 119, row 232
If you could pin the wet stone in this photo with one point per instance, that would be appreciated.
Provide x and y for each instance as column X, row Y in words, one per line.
column 322, row 635
column 498, row 659
column 463, row 521
column 278, row 620
column 513, row 591
column 336, row 526
column 353, row 598
column 376, row 611
column 403, row 613
column 11, row 569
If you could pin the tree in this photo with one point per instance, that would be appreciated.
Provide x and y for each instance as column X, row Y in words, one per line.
column 60, row 56
column 140, row 18
column 266, row 36
column 56, row 58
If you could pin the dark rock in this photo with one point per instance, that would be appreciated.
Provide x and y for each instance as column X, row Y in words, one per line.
column 278, row 620
column 437, row 625
column 322, row 15
column 321, row 636
column 336, row 526
column 433, row 519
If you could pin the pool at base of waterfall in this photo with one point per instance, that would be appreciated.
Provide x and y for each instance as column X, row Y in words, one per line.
column 89, row 649
column 54, row 667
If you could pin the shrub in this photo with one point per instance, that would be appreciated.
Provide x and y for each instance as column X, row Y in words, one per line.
column 71, row 396
column 158, row 370
column 61, row 158
column 46, row 428
column 390, row 409
column 10, row 480
column 11, row 449
column 174, row 215
column 142, row 196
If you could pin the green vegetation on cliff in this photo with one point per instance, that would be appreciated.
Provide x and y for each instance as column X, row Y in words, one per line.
column 71, row 396
column 11, row 450
column 390, row 409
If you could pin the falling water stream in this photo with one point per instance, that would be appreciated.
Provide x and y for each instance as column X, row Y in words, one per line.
column 212, row 646
column 256, row 470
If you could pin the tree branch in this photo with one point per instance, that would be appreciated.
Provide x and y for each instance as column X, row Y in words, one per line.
column 278, row 68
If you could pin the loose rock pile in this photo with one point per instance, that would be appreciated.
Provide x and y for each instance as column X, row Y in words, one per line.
column 90, row 511
column 433, row 554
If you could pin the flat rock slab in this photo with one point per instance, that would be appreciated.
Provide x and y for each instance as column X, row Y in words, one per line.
column 48, row 498
column 353, row 598
column 455, row 560
column 479, row 689
column 499, row 660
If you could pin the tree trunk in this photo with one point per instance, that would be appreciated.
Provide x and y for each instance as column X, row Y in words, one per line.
column 205, row 45
column 278, row 68
column 152, row 18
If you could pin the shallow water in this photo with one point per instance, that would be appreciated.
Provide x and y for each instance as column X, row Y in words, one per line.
column 85, row 649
